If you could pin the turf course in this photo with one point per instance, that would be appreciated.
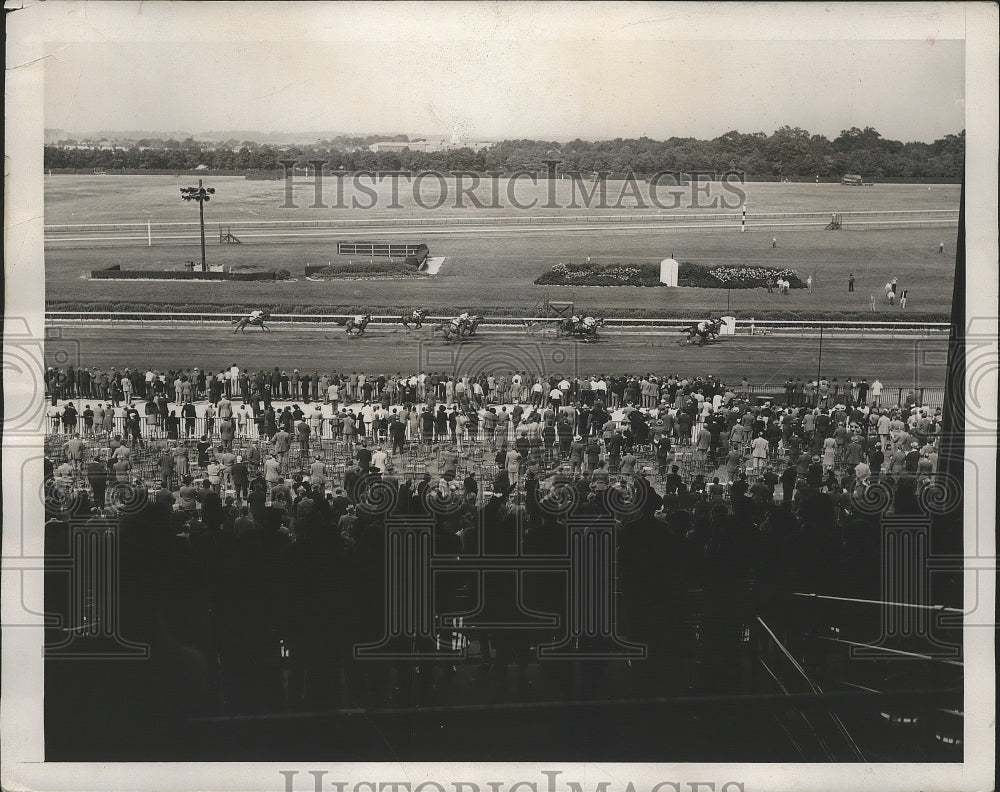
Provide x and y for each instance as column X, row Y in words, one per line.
column 494, row 269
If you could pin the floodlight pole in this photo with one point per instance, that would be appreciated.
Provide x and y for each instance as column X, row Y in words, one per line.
column 201, row 218
column 199, row 194
column 819, row 364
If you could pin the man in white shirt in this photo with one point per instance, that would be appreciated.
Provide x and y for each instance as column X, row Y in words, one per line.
column 537, row 394
column 233, row 380
column 368, row 416
column 876, row 392
column 758, row 452
column 380, row 459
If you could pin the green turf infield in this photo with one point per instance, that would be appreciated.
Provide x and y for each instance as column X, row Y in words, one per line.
column 494, row 269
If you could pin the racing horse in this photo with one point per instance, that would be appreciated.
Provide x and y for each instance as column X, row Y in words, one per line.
column 461, row 327
column 451, row 328
column 255, row 319
column 582, row 327
column 414, row 319
column 472, row 324
column 702, row 332
column 355, row 325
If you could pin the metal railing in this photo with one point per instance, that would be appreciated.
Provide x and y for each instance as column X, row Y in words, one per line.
column 874, row 218
column 495, row 321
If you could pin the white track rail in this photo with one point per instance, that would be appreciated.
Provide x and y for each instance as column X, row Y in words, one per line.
column 744, row 326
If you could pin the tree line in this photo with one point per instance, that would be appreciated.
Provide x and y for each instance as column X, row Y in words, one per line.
column 790, row 152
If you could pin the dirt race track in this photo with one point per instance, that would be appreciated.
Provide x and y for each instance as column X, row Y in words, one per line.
column 902, row 362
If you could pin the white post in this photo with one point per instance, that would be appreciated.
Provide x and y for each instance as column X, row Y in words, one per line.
column 149, row 233
column 743, row 227
column 668, row 272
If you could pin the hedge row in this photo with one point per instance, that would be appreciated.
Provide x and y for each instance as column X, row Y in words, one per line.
column 492, row 310
column 116, row 273
column 693, row 275
column 357, row 269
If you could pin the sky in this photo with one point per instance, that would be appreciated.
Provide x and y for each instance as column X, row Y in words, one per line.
column 506, row 77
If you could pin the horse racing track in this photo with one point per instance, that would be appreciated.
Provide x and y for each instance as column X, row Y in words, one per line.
column 906, row 362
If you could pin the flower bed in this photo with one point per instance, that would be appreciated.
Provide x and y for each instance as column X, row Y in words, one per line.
column 688, row 274
column 601, row 275
column 745, row 277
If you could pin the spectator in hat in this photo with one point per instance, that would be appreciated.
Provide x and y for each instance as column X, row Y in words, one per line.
column 272, row 469
column 317, row 471
column 577, row 451
column 282, row 444
column 241, row 477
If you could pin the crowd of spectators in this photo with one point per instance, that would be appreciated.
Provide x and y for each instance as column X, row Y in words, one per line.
column 254, row 531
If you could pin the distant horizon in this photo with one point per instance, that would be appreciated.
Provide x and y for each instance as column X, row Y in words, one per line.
column 241, row 135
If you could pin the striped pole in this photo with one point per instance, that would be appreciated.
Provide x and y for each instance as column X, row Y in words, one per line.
column 743, row 226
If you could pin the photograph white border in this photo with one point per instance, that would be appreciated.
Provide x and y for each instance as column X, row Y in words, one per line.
column 31, row 31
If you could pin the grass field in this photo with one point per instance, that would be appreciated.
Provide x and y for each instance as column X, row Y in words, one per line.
column 495, row 268
column 116, row 199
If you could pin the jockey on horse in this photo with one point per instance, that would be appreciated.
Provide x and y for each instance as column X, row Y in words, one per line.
column 355, row 326
column 416, row 317
column 255, row 319
column 462, row 326
column 581, row 326
column 454, row 327
column 705, row 330
column 471, row 323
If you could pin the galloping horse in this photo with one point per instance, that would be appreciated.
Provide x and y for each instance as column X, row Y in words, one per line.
column 461, row 327
column 414, row 318
column 702, row 332
column 583, row 327
column 255, row 319
column 355, row 326
column 472, row 325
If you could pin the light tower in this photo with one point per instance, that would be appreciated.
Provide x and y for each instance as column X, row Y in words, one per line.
column 199, row 194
